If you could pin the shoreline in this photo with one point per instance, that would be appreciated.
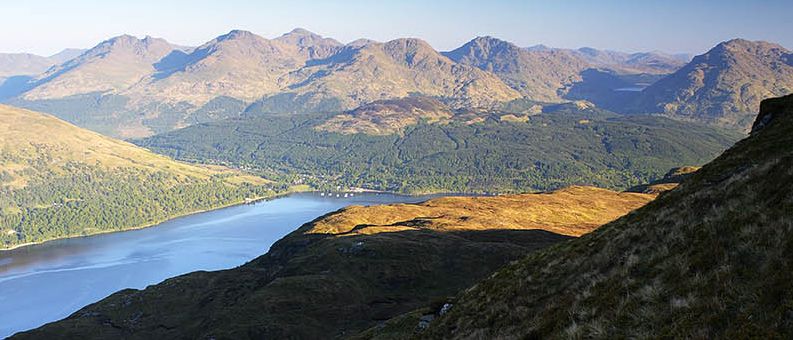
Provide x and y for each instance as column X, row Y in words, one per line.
column 243, row 202
column 154, row 224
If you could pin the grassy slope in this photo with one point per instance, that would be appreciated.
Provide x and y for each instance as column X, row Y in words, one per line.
column 711, row 259
column 58, row 180
column 350, row 269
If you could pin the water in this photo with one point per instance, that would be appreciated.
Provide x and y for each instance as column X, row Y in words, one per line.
column 48, row 282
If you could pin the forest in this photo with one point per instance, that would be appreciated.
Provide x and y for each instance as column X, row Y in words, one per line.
column 494, row 155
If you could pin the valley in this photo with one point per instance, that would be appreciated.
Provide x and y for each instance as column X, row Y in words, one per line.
column 412, row 170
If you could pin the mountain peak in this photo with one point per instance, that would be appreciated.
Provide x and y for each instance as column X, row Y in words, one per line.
column 302, row 37
column 238, row 34
column 301, row 31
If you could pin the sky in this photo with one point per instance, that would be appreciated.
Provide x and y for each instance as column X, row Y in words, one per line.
column 675, row 26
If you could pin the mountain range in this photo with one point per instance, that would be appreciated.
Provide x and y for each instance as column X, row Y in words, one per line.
column 26, row 64
column 129, row 87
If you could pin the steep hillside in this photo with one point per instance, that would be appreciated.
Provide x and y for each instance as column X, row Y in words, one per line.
column 471, row 152
column 349, row 270
column 710, row 259
column 57, row 180
column 725, row 85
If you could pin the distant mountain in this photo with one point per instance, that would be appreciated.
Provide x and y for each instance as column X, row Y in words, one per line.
column 66, row 55
column 644, row 62
column 311, row 45
column 549, row 74
column 58, row 180
column 111, row 67
column 132, row 87
column 14, row 64
column 395, row 69
column 129, row 87
column 22, row 64
column 539, row 74
column 725, row 85
column 240, row 65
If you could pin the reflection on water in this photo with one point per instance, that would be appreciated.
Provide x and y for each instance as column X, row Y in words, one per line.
column 47, row 282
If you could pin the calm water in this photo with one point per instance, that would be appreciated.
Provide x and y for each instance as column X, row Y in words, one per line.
column 47, row 282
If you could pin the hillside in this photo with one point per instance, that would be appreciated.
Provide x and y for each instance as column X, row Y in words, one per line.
column 385, row 117
column 709, row 259
column 349, row 270
column 725, row 85
column 469, row 152
column 57, row 180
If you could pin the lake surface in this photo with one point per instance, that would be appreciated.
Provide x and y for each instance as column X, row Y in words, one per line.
column 50, row 281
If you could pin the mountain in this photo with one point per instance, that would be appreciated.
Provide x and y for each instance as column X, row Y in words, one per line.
column 395, row 69
column 26, row 64
column 66, row 55
column 311, row 45
column 417, row 145
column 350, row 270
column 642, row 62
column 130, row 87
column 725, row 85
column 549, row 74
column 539, row 74
column 709, row 259
column 240, row 65
column 58, row 180
column 16, row 64
column 111, row 67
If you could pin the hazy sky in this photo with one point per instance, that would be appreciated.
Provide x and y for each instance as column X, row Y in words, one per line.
column 45, row 27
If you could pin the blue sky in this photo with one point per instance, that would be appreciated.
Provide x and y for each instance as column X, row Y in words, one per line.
column 693, row 26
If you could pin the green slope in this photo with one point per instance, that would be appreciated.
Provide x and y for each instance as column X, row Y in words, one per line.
column 471, row 152
column 57, row 180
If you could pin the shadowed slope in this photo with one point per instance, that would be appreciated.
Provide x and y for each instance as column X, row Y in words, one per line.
column 350, row 269
column 710, row 259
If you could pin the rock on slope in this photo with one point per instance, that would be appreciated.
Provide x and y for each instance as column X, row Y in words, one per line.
column 710, row 259
column 350, row 269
